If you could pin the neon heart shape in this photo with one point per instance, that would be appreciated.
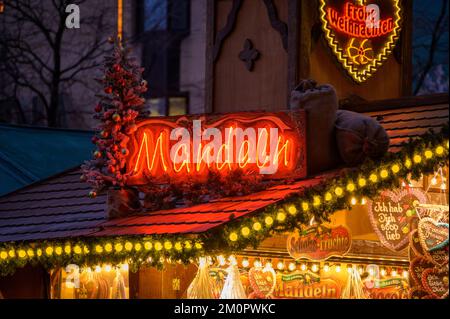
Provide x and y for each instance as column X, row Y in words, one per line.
column 416, row 268
column 385, row 212
column 361, row 33
column 435, row 282
column 262, row 280
column 433, row 235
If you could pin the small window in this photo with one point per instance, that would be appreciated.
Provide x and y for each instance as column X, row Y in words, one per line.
column 177, row 106
column 155, row 15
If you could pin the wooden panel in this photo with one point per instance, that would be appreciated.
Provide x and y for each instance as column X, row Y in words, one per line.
column 156, row 284
column 384, row 84
column 237, row 89
column 27, row 282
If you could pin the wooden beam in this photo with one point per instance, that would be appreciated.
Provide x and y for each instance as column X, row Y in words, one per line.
column 399, row 103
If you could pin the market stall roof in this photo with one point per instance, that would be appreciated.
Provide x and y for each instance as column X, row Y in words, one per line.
column 29, row 153
column 58, row 207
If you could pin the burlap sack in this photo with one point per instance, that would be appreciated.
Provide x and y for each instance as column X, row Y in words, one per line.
column 359, row 136
column 321, row 104
column 122, row 202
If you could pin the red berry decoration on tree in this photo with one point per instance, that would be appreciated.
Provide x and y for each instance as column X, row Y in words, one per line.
column 117, row 113
column 116, row 117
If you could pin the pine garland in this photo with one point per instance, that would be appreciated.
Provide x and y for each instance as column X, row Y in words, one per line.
column 423, row 155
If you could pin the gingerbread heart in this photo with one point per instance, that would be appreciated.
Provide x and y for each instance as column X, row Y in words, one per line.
column 391, row 215
column 361, row 33
column 414, row 243
column 433, row 235
column 416, row 268
column 435, row 282
column 262, row 280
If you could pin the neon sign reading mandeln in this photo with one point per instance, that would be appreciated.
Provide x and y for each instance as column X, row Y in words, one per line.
column 272, row 144
column 361, row 33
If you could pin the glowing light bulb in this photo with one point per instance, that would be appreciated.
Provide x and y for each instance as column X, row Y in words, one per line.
column 280, row 265
column 303, row 267
column 338, row 268
column 394, row 273
column 245, row 231
column 360, row 270
column 383, row 272
column 257, row 226
column 292, row 210
column 350, row 187
column 245, row 263
column 124, row 267
column 405, row 274
column 108, row 267
column 326, row 267
column 98, row 269
column 292, row 266
column 363, row 201
column 233, row 236
column 353, row 201
column 221, row 260
column 338, row 191
column 314, row 268
column 281, row 217
column 443, row 186
column 349, row 268
column 434, row 181
column 268, row 220
column 257, row 263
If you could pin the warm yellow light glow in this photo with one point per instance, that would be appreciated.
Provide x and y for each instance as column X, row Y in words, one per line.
column 328, row 197
column 3, row 255
column 137, row 246
column 314, row 268
column 316, row 200
column 257, row 226
column 39, row 252
column 98, row 249
column 363, row 201
column 168, row 245
column 98, row 269
column 245, row 231
column 383, row 272
column 30, row 252
column 245, row 263
column 305, row 206
column 353, row 201
column 408, row 163
column 118, row 247
column 158, row 246
column 280, row 265
column 292, row 266
column 394, row 273
column 350, row 187
column 268, row 220
column 58, row 250
column 405, row 274
column 148, row 245
column 303, row 267
column 362, row 182
column 108, row 247
column 373, row 178
column 326, row 267
column 187, row 244
column 119, row 19
column 124, row 267
column 67, row 249
column 395, row 168
column 384, row 173
column 292, row 210
column 338, row 191
column 337, row 268
column 49, row 250
column 12, row 253
column 108, row 267
column 434, row 181
column 257, row 263
column 281, row 216
column 233, row 236
column 428, row 154
column 439, row 150
column 417, row 159
column 178, row 246
column 128, row 246
column 21, row 253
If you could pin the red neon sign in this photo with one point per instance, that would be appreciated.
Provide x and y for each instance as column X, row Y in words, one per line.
column 359, row 21
column 272, row 144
